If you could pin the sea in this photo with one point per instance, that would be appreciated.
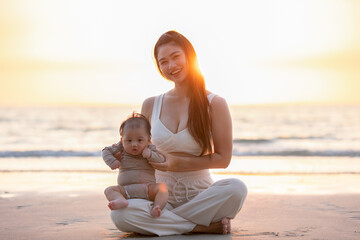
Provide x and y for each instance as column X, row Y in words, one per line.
column 270, row 139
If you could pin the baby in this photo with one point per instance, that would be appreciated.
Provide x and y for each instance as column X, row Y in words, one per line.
column 136, row 176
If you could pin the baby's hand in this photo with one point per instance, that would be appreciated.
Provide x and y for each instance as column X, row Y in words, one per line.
column 146, row 153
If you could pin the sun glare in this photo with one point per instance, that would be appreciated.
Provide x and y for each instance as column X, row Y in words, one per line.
column 85, row 51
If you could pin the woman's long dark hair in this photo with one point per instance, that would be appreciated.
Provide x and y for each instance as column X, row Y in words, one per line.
column 199, row 122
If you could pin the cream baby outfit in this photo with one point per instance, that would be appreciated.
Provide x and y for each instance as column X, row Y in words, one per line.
column 135, row 172
column 193, row 197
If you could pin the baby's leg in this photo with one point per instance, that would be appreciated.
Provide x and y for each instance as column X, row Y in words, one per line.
column 159, row 194
column 116, row 196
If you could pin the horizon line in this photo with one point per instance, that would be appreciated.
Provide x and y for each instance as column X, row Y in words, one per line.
column 129, row 104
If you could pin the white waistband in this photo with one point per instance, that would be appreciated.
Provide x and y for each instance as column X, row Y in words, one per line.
column 193, row 175
column 183, row 178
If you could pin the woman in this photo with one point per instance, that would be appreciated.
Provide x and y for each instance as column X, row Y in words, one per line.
column 193, row 128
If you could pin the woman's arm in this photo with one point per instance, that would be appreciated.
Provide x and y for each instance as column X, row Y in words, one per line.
column 222, row 139
column 147, row 107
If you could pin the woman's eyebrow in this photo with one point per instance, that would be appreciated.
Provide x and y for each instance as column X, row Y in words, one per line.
column 175, row 52
column 162, row 59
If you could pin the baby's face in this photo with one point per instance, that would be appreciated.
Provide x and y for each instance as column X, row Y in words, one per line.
column 135, row 139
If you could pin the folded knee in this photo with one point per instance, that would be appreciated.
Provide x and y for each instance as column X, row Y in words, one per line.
column 241, row 189
column 110, row 189
column 127, row 219
column 107, row 190
column 235, row 187
column 119, row 219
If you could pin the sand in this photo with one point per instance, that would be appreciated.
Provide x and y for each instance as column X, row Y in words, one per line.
column 71, row 205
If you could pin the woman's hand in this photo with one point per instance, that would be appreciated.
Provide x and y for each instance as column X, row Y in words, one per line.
column 167, row 165
column 164, row 166
column 115, row 165
column 119, row 156
column 172, row 162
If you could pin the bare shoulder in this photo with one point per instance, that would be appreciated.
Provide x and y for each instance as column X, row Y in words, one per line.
column 217, row 101
column 220, row 111
column 147, row 107
column 148, row 102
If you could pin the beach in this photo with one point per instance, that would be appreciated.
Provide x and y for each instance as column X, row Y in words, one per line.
column 59, row 203
column 301, row 165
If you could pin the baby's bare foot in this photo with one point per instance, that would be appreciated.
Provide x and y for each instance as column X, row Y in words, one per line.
column 118, row 204
column 156, row 211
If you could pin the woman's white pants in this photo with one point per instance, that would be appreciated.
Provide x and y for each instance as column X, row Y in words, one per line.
column 222, row 199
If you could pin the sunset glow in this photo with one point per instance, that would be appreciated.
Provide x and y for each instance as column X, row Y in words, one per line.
column 92, row 52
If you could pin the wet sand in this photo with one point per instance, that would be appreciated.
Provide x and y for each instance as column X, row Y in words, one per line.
column 71, row 205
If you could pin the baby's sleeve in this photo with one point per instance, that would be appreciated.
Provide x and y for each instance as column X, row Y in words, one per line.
column 156, row 156
column 108, row 153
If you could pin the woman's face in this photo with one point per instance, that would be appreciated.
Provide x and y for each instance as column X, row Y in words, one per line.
column 172, row 62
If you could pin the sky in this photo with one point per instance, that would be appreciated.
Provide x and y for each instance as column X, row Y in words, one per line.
column 250, row 52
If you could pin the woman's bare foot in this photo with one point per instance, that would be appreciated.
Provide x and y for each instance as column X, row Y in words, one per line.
column 118, row 204
column 226, row 224
column 221, row 227
column 156, row 211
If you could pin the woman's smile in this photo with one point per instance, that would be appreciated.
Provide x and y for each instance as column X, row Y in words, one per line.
column 175, row 72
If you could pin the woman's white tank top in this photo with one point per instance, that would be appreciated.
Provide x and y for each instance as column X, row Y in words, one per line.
column 167, row 141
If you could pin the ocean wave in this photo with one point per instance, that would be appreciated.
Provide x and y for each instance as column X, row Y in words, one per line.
column 250, row 141
column 97, row 129
column 304, row 137
column 88, row 129
column 304, row 153
column 74, row 153
column 49, row 153
column 272, row 140
column 2, row 119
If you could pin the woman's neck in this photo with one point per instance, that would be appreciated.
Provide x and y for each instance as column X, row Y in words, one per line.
column 180, row 90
